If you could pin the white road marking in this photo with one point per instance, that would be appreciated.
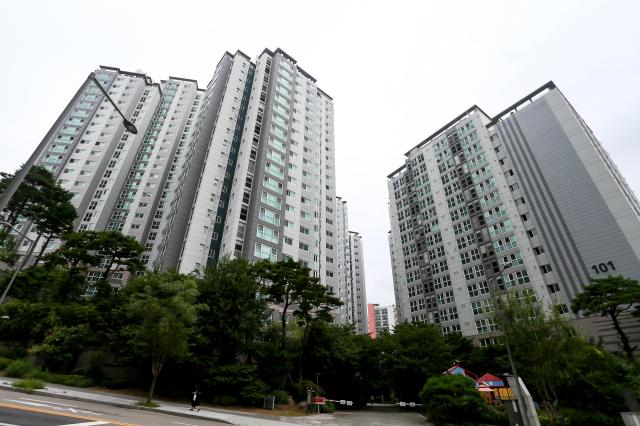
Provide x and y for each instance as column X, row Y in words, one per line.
column 178, row 423
column 47, row 405
column 47, row 402
column 7, row 424
column 85, row 424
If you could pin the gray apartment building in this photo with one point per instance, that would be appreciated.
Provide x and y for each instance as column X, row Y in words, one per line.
column 244, row 167
column 527, row 200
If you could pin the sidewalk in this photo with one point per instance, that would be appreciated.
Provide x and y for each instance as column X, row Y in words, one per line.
column 222, row 415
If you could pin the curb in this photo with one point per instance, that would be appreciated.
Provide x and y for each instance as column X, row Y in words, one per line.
column 160, row 410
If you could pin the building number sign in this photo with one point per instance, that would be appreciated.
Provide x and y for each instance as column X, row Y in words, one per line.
column 602, row 268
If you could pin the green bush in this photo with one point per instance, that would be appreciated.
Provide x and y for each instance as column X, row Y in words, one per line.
column 328, row 407
column 4, row 362
column 62, row 346
column 28, row 384
column 574, row 417
column 19, row 368
column 299, row 390
column 282, row 397
column 74, row 380
column 453, row 399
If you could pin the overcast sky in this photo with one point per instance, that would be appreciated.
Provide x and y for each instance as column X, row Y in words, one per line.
column 397, row 71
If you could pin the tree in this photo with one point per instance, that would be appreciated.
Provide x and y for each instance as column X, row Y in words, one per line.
column 412, row 354
column 453, row 399
column 542, row 342
column 76, row 253
column 315, row 304
column 610, row 296
column 31, row 193
column 120, row 252
column 7, row 246
column 236, row 312
column 161, row 311
column 284, row 283
column 43, row 201
column 54, row 216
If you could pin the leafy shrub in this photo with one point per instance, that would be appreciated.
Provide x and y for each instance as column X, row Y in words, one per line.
column 75, row 380
column 28, row 384
column 282, row 397
column 299, row 390
column 328, row 407
column 453, row 399
column 60, row 348
column 574, row 417
column 19, row 368
column 4, row 362
column 239, row 380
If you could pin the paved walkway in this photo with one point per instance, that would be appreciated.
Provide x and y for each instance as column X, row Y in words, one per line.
column 222, row 415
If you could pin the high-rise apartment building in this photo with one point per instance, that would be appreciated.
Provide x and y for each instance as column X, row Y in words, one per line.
column 381, row 319
column 526, row 200
column 242, row 168
column 351, row 279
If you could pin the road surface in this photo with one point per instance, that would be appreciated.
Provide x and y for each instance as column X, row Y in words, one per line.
column 18, row 409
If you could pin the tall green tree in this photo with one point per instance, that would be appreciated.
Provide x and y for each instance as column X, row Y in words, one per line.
column 54, row 217
column 161, row 312
column 412, row 354
column 236, row 312
column 44, row 202
column 316, row 304
column 120, row 252
column 31, row 193
column 610, row 297
column 284, row 282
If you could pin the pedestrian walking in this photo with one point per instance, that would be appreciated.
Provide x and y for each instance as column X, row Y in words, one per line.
column 195, row 399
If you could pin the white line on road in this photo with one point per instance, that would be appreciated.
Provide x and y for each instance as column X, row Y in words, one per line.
column 47, row 405
column 178, row 423
column 48, row 402
column 86, row 424
column 7, row 424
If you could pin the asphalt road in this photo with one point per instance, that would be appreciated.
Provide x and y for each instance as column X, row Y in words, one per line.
column 17, row 409
column 368, row 417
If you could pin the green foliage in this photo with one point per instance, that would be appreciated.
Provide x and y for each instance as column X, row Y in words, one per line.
column 573, row 417
column 282, row 397
column 299, row 390
column 235, row 314
column 119, row 252
column 28, row 384
column 148, row 404
column 62, row 346
column 160, row 310
column 239, row 382
column 328, row 407
column 610, row 296
column 19, row 368
column 75, row 380
column 4, row 363
column 7, row 246
column 411, row 355
column 31, row 322
column 453, row 399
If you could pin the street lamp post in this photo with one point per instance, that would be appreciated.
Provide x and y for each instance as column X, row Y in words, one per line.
column 20, row 176
column 22, row 264
column 512, row 363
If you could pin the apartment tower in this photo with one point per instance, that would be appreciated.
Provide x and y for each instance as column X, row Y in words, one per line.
column 244, row 167
column 526, row 200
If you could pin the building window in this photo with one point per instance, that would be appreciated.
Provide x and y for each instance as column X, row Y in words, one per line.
column 553, row 288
